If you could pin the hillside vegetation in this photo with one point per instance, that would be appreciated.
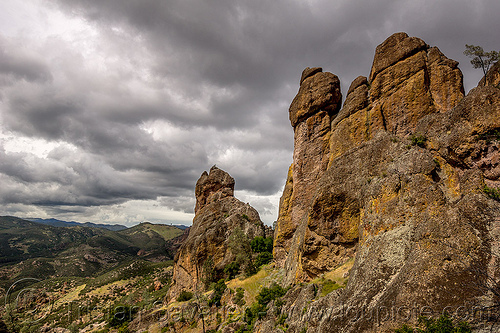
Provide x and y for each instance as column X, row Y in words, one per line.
column 29, row 249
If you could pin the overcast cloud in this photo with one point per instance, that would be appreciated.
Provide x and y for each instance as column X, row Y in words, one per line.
column 110, row 110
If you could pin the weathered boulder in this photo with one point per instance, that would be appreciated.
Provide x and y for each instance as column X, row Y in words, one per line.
column 218, row 215
column 318, row 92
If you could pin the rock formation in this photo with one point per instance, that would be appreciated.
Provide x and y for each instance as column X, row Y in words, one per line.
column 311, row 113
column 492, row 78
column 218, row 214
column 396, row 179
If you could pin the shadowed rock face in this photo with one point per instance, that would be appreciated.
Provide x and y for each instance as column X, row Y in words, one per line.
column 218, row 214
column 413, row 214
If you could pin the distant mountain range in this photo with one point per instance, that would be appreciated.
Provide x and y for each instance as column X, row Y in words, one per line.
column 59, row 223
column 113, row 227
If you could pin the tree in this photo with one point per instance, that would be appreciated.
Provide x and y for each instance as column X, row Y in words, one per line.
column 481, row 59
column 261, row 244
column 239, row 245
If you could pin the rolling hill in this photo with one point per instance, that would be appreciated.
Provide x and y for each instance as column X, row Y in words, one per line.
column 30, row 249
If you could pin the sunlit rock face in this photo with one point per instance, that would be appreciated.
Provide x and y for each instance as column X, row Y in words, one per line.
column 395, row 179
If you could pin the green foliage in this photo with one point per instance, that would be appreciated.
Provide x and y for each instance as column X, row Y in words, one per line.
column 136, row 268
column 184, row 296
column 231, row 270
column 219, row 289
column 261, row 244
column 245, row 329
column 123, row 329
column 404, row 329
column 481, row 59
column 121, row 315
column 272, row 293
column 245, row 216
column 328, row 287
column 263, row 258
column 255, row 312
column 249, row 268
column 444, row 324
column 209, row 273
column 281, row 319
column 418, row 140
column 239, row 297
column 492, row 192
column 3, row 327
column 239, row 245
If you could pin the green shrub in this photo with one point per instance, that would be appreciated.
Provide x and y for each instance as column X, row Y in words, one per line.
column 239, row 297
column 254, row 312
column 219, row 289
column 263, row 258
column 328, row 287
column 209, row 272
column 239, row 245
column 184, row 296
column 123, row 329
column 492, row 192
column 418, row 140
column 232, row 270
column 261, row 244
column 121, row 316
column 272, row 293
column 443, row 324
column 281, row 319
column 404, row 329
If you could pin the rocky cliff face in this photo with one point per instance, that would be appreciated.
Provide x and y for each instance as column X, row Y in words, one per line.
column 218, row 214
column 395, row 178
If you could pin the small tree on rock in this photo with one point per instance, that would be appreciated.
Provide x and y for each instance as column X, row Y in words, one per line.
column 481, row 59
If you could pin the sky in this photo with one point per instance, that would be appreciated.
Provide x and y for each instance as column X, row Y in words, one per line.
column 110, row 110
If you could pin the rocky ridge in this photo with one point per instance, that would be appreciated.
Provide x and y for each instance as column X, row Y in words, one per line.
column 397, row 178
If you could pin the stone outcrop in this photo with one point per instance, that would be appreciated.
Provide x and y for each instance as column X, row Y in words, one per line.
column 218, row 215
column 397, row 181
column 311, row 112
column 408, row 81
column 492, row 78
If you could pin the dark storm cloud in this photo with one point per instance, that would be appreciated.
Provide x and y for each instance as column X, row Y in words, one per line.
column 166, row 89
column 75, row 178
column 21, row 64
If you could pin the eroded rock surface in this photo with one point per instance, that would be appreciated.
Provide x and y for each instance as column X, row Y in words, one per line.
column 403, row 192
column 311, row 112
column 218, row 214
